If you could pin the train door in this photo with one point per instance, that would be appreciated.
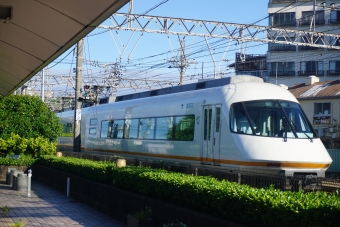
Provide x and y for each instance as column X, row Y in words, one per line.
column 217, row 135
column 211, row 134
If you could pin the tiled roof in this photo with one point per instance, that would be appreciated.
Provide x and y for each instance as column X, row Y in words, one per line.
column 317, row 90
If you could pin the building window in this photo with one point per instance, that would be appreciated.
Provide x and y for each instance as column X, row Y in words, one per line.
column 311, row 68
column 283, row 68
column 282, row 19
column 307, row 17
column 282, row 47
column 334, row 68
column 322, row 113
column 335, row 17
column 334, row 42
column 316, row 40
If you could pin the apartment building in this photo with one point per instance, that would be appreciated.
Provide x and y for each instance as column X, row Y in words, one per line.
column 288, row 64
column 250, row 64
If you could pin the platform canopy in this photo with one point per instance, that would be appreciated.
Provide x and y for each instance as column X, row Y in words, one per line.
column 33, row 33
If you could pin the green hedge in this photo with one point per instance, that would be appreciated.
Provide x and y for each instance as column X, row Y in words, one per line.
column 239, row 203
column 22, row 161
column 30, row 147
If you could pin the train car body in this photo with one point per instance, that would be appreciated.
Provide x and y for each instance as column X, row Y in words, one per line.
column 244, row 125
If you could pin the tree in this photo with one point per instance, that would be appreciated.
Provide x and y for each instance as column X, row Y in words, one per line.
column 28, row 117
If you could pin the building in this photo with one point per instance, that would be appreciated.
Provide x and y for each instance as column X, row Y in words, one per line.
column 250, row 64
column 288, row 64
column 321, row 103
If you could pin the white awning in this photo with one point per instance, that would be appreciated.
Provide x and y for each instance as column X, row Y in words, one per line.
column 35, row 32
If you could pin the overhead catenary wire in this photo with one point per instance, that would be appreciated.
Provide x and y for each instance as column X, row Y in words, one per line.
column 197, row 53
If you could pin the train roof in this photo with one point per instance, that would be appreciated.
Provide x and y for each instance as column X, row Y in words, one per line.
column 190, row 87
column 200, row 85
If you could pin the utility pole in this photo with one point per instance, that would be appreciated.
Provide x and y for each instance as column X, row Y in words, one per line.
column 314, row 15
column 77, row 110
column 43, row 85
column 182, row 64
column 130, row 12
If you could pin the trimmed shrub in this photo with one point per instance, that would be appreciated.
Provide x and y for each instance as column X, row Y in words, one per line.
column 22, row 161
column 239, row 203
column 31, row 147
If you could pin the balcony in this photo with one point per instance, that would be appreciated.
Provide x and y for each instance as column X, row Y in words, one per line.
column 334, row 72
column 282, row 73
column 311, row 73
column 282, row 47
column 283, row 23
column 304, row 22
column 308, row 48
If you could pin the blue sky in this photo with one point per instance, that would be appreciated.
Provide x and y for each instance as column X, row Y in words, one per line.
column 153, row 49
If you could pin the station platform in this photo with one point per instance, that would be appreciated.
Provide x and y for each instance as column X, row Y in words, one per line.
column 47, row 207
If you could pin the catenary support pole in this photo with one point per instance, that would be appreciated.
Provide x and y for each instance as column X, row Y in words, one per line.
column 77, row 111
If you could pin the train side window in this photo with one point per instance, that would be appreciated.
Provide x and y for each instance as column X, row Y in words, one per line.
column 184, row 128
column 131, row 128
column 117, row 129
column 164, row 128
column 68, row 130
column 106, row 129
column 93, row 121
column 146, row 128
column 92, row 131
column 235, row 116
column 239, row 120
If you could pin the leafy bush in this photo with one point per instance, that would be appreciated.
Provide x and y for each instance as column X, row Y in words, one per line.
column 31, row 147
column 28, row 117
column 22, row 161
column 16, row 144
column 40, row 146
column 240, row 203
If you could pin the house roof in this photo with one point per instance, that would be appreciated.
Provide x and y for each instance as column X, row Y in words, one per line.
column 318, row 90
column 34, row 33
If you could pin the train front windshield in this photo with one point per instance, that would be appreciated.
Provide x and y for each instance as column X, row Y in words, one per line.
column 270, row 118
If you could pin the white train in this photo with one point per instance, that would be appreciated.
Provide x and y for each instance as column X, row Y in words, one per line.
column 237, row 123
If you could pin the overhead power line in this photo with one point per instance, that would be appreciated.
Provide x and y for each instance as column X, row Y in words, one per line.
column 225, row 30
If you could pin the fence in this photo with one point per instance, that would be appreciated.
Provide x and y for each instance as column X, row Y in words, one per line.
column 335, row 155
